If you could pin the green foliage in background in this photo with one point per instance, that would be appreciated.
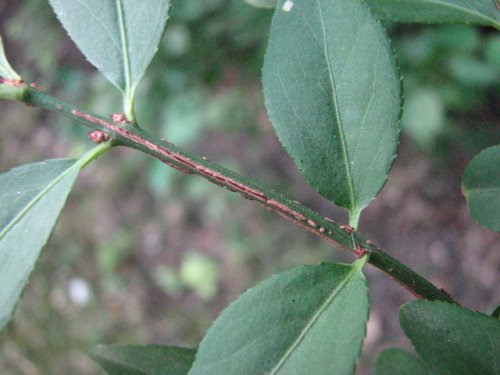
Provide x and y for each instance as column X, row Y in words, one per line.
column 481, row 186
column 144, row 360
column 451, row 75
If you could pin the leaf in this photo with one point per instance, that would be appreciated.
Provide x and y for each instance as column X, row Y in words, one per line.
column 333, row 93
column 451, row 339
column 475, row 12
column 270, row 4
column 496, row 313
column 144, row 360
column 481, row 186
column 480, row 12
column 30, row 201
column 309, row 320
column 6, row 70
column 398, row 362
column 119, row 37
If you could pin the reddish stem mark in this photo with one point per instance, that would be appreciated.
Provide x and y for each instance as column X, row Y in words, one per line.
column 312, row 223
column 192, row 166
column 347, row 228
column 330, row 220
column 35, row 86
column 307, row 227
column 360, row 252
column 12, row 82
column 120, row 118
column 286, row 210
column 98, row 136
column 189, row 166
column 247, row 190
column 175, row 166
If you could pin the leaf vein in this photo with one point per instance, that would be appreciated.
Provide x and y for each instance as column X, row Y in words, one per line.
column 313, row 320
column 343, row 144
column 124, row 47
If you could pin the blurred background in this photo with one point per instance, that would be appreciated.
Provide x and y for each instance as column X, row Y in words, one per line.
column 145, row 254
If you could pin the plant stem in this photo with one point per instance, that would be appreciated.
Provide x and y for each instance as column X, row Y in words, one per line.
column 354, row 218
column 94, row 154
column 133, row 136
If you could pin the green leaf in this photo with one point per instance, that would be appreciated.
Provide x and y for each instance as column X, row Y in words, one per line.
column 309, row 320
column 481, row 12
column 496, row 313
column 398, row 362
column 31, row 198
column 451, row 339
column 478, row 12
column 333, row 93
column 6, row 70
column 269, row 4
column 481, row 186
column 30, row 201
column 144, row 360
column 120, row 37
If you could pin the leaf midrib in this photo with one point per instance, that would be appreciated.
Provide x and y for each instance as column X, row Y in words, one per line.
column 313, row 320
column 343, row 144
column 125, row 365
column 486, row 189
column 471, row 11
column 124, row 47
column 464, row 9
column 36, row 199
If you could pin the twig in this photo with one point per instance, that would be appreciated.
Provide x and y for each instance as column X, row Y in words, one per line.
column 122, row 133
